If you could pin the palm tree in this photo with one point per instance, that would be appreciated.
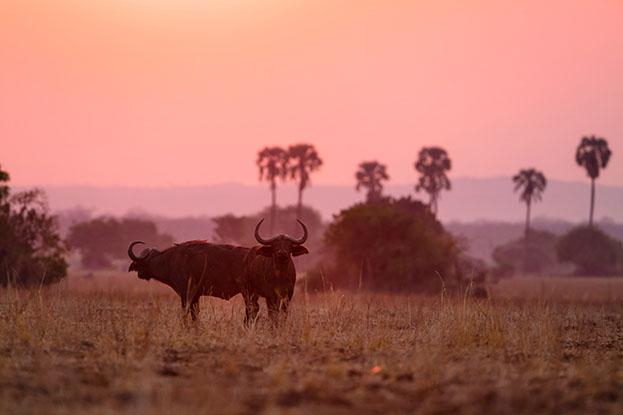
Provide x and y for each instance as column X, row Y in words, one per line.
column 302, row 160
column 370, row 175
column 532, row 184
column 272, row 164
column 593, row 154
column 432, row 164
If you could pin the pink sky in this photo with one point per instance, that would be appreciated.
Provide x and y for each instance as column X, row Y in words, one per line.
column 184, row 92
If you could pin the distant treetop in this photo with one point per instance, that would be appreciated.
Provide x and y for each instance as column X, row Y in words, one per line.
column 432, row 164
column 593, row 154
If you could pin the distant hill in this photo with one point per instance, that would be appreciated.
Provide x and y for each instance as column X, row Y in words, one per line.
column 488, row 199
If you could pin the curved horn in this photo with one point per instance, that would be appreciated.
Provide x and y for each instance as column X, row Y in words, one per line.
column 259, row 238
column 303, row 238
column 131, row 254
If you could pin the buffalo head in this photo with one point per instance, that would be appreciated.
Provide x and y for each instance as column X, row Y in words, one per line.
column 141, row 264
column 281, row 247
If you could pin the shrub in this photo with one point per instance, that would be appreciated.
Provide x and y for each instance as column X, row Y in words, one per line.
column 592, row 251
column 31, row 250
column 390, row 245
column 534, row 255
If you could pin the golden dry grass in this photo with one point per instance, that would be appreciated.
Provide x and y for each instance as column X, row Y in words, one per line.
column 118, row 345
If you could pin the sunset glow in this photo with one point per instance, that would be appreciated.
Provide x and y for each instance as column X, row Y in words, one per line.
column 140, row 92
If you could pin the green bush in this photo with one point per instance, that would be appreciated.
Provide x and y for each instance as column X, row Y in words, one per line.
column 592, row 251
column 391, row 245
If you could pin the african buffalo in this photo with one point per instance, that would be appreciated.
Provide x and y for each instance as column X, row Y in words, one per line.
column 197, row 268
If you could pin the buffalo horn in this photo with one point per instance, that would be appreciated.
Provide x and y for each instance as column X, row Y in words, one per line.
column 303, row 238
column 259, row 238
column 131, row 253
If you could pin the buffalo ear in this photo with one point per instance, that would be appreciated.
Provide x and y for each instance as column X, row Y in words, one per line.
column 265, row 251
column 299, row 250
column 132, row 267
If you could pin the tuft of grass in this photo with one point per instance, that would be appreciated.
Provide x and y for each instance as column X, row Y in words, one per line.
column 115, row 344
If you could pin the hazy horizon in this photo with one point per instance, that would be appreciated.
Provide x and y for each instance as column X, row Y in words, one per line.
column 288, row 183
column 471, row 199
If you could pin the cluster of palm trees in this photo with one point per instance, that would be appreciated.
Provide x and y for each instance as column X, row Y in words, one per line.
column 592, row 153
column 296, row 163
column 432, row 163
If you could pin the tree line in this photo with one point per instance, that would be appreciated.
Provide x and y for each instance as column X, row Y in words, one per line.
column 297, row 162
column 592, row 251
column 32, row 251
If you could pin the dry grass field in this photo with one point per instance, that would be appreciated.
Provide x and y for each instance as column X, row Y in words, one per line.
column 118, row 345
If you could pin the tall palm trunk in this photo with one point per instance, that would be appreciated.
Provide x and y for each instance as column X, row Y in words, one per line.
column 374, row 194
column 273, row 206
column 527, row 230
column 299, row 205
column 433, row 203
column 590, row 218
column 526, row 259
column 302, row 184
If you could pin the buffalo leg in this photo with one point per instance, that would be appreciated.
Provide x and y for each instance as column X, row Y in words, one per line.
column 276, row 305
column 194, row 309
column 184, row 302
column 252, row 308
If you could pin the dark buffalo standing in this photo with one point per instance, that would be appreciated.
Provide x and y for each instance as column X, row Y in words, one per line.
column 197, row 268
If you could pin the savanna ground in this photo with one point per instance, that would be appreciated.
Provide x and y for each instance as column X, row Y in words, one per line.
column 113, row 344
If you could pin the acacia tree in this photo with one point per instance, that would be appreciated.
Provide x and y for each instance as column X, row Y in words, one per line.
column 302, row 160
column 272, row 164
column 593, row 154
column 532, row 184
column 371, row 175
column 432, row 164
